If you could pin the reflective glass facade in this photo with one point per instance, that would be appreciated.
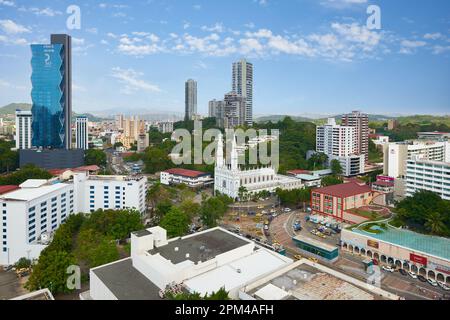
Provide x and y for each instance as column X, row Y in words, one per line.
column 48, row 96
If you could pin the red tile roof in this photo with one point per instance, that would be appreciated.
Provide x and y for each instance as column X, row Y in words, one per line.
column 186, row 172
column 88, row 168
column 344, row 190
column 8, row 188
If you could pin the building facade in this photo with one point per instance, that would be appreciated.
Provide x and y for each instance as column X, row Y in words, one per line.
column 339, row 143
column 359, row 121
column 81, row 133
column 229, row 176
column 242, row 84
column 190, row 99
column 109, row 192
column 165, row 126
column 30, row 215
column 428, row 175
column 23, row 129
column 337, row 200
column 52, row 93
column 191, row 178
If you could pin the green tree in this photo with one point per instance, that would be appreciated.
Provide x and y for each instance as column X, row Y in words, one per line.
column 118, row 145
column 27, row 172
column 242, row 193
column 212, row 210
column 435, row 223
column 189, row 207
column 95, row 157
column 336, row 167
column 331, row 180
column 95, row 248
column 176, row 222
column 51, row 271
column 22, row 263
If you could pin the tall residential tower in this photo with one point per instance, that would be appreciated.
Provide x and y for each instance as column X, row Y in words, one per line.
column 359, row 121
column 242, row 84
column 190, row 99
column 81, row 132
column 23, row 129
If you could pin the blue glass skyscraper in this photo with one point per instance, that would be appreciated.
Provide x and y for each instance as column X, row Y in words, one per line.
column 51, row 93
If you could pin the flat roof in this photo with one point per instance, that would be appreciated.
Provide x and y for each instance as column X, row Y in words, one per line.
column 141, row 233
column 28, row 194
column 200, row 247
column 125, row 282
column 431, row 245
column 344, row 189
column 237, row 273
column 315, row 243
column 33, row 183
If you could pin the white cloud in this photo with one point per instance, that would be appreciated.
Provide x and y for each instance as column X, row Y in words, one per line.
column 9, row 85
column 10, row 27
column 342, row 4
column 7, row 3
column 217, row 27
column 432, row 36
column 261, row 2
column 440, row 49
column 45, row 12
column 13, row 41
column 92, row 30
column 131, row 81
column 197, row 7
column 77, row 41
column 410, row 46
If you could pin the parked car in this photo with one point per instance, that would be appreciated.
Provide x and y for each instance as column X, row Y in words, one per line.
column 287, row 210
column 266, row 227
column 7, row 268
column 388, row 268
column 422, row 278
column 443, row 286
column 375, row 261
column 315, row 260
column 432, row 282
column 403, row 272
column 412, row 275
column 264, row 212
column 298, row 257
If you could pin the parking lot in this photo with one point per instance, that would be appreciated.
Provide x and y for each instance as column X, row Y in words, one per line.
column 10, row 285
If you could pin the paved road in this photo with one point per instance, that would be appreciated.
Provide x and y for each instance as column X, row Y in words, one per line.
column 411, row 289
column 10, row 285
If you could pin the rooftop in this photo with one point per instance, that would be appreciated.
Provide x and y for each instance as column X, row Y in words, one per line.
column 6, row 189
column 186, row 172
column 201, row 247
column 125, row 282
column 344, row 189
column 431, row 245
column 298, row 171
column 28, row 194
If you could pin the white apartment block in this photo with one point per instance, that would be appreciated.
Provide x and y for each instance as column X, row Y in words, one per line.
column 428, row 175
column 191, row 178
column 29, row 215
column 23, row 129
column 339, row 142
column 360, row 122
column 81, row 133
column 109, row 192
column 396, row 154
column 165, row 127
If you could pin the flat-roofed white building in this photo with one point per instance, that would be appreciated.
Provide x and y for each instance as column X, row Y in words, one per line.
column 23, row 129
column 29, row 215
column 109, row 192
column 191, row 178
column 203, row 262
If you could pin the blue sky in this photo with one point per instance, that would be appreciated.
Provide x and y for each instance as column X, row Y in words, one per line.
column 310, row 56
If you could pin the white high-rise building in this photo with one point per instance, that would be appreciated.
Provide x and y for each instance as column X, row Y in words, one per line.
column 242, row 84
column 360, row 122
column 23, row 129
column 190, row 99
column 81, row 133
column 339, row 143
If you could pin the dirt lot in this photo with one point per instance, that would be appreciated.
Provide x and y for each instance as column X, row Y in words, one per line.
column 10, row 285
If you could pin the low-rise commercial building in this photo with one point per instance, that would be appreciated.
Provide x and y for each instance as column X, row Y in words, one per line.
column 191, row 178
column 203, row 262
column 335, row 201
column 422, row 254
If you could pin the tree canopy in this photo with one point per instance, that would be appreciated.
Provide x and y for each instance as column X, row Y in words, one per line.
column 176, row 222
column 9, row 160
column 25, row 173
column 95, row 157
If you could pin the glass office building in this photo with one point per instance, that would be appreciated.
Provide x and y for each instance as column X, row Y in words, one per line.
column 51, row 93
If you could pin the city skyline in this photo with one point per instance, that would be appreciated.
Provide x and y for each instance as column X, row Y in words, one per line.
column 320, row 58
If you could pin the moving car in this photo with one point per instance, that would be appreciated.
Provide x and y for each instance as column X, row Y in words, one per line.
column 388, row 268
column 432, row 282
column 412, row 275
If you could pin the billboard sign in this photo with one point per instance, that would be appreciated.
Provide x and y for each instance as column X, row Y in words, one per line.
column 373, row 244
column 418, row 259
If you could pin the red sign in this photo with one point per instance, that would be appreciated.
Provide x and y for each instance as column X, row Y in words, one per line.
column 385, row 179
column 418, row 259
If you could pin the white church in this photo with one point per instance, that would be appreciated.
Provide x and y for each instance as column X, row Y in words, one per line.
column 229, row 176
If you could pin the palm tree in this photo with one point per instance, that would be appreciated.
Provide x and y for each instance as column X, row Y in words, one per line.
column 435, row 223
column 242, row 193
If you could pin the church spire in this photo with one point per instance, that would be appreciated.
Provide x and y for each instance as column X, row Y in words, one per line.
column 219, row 152
column 234, row 154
